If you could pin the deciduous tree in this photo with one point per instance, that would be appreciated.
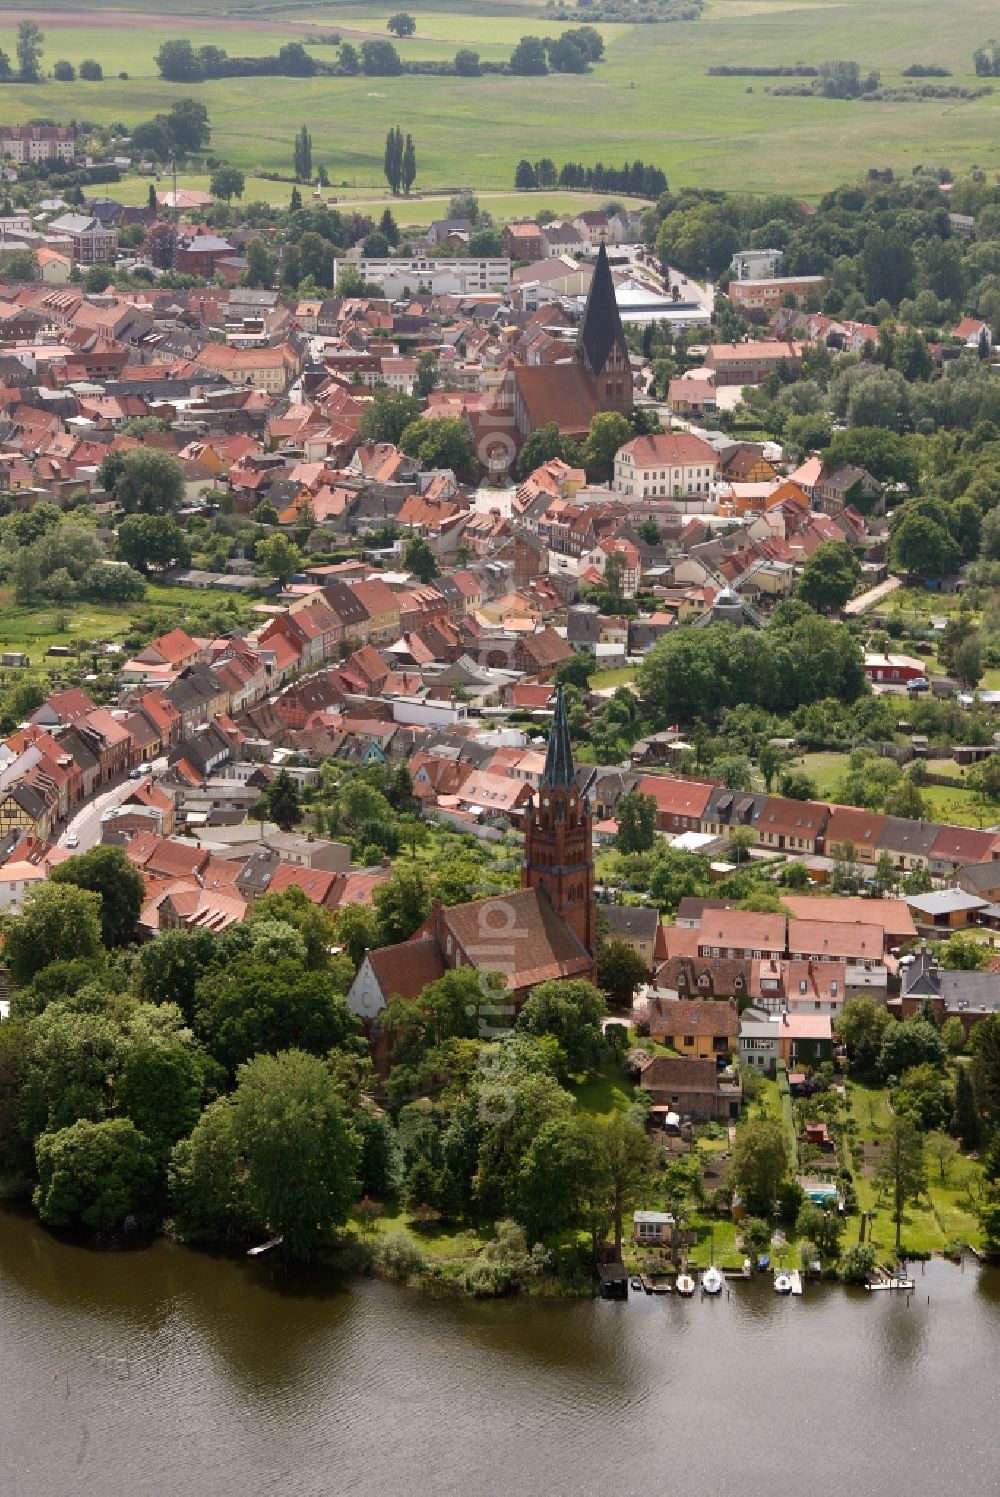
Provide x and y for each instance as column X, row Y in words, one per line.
column 59, row 922
column 29, row 50
column 829, row 577
column 107, row 872
column 301, row 1153
column 759, row 1163
column 620, row 970
column 227, row 182
column 570, row 1011
column 901, row 1171
column 143, row 480
column 95, row 1175
column 257, row 1005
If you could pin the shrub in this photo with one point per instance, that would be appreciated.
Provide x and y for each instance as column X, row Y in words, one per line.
column 397, row 1256
column 857, row 1263
column 505, row 1263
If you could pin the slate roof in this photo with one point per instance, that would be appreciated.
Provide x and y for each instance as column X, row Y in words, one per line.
column 601, row 327
column 558, row 771
column 962, row 992
column 625, row 920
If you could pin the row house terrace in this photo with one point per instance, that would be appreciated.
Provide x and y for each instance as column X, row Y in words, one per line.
column 740, row 934
column 859, row 949
column 811, row 828
column 382, row 608
column 792, row 825
column 198, row 694
column 349, row 611
column 680, row 804
column 576, row 529
column 800, row 986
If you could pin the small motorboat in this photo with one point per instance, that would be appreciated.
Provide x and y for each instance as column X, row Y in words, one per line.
column 782, row 1283
column 712, row 1281
column 636, row 1281
column 764, row 1262
column 685, row 1285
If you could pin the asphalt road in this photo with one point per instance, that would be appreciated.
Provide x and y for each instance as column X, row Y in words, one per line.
column 86, row 824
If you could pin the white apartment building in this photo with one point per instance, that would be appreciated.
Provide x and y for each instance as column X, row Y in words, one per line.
column 398, row 275
column 671, row 462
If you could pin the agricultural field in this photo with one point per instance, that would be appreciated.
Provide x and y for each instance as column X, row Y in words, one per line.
column 650, row 98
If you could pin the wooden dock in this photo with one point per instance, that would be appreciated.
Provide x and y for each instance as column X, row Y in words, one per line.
column 884, row 1278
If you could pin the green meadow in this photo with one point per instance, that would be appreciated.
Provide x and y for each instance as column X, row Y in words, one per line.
column 650, row 98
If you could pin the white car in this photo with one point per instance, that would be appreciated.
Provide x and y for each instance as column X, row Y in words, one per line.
column 72, row 840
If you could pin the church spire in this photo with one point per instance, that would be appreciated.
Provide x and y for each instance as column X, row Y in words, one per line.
column 601, row 327
column 558, row 771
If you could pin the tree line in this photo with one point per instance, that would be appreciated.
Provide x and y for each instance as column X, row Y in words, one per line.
column 636, row 178
column 573, row 51
column 179, row 62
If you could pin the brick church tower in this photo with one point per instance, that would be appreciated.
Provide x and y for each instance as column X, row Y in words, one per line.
column 558, row 849
column 601, row 346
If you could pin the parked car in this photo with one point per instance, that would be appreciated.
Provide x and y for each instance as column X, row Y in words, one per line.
column 72, row 840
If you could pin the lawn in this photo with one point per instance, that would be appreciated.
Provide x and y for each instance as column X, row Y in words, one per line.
column 919, row 605
column 825, row 768
column 945, row 803
column 439, row 1242
column 605, row 1091
column 415, row 212
column 942, row 1217
column 650, row 98
column 603, row 679
column 958, row 806
column 84, row 627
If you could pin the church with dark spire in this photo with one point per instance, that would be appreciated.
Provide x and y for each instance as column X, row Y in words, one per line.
column 594, row 376
column 558, row 842
column 601, row 346
column 545, row 930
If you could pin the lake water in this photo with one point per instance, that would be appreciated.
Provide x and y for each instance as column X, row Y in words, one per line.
column 167, row 1371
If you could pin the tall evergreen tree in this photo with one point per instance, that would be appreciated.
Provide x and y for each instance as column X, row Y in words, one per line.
column 965, row 1118
column 303, row 155
column 394, row 159
column 409, row 165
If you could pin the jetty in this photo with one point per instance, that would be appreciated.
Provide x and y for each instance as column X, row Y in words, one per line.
column 882, row 1277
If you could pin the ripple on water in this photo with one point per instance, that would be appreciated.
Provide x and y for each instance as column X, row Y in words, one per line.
column 168, row 1371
